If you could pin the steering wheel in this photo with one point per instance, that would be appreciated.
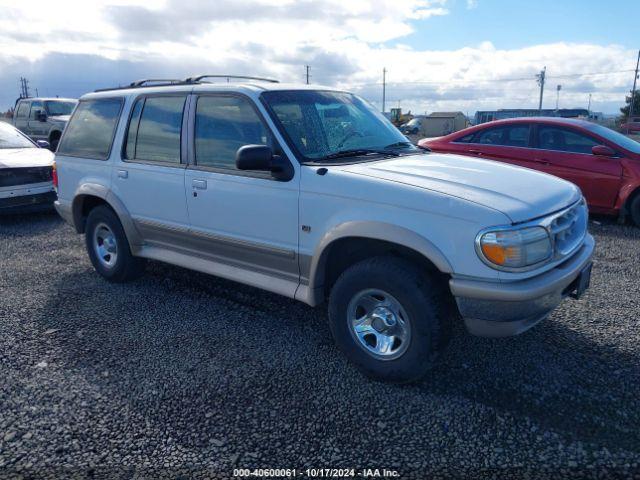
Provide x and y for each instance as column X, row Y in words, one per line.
column 348, row 136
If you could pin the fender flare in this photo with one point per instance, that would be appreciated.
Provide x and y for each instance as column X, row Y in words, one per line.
column 375, row 231
column 104, row 193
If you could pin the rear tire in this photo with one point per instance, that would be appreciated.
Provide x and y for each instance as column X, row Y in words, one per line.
column 54, row 141
column 384, row 297
column 108, row 247
column 634, row 210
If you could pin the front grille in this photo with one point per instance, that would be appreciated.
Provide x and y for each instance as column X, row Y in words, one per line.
column 10, row 177
column 568, row 229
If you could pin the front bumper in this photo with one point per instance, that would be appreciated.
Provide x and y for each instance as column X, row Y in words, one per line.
column 491, row 309
column 26, row 199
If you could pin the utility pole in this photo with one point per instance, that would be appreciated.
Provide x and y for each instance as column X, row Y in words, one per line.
column 558, row 88
column 384, row 87
column 24, row 88
column 589, row 105
column 308, row 68
column 541, row 78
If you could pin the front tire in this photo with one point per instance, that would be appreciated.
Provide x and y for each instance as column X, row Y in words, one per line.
column 388, row 317
column 108, row 247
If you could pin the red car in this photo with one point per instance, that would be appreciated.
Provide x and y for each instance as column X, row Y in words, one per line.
column 605, row 164
column 631, row 127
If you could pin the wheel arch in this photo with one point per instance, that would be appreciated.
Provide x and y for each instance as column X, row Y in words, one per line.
column 54, row 133
column 89, row 196
column 354, row 241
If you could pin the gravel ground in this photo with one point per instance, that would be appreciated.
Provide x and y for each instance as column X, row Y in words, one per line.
column 182, row 375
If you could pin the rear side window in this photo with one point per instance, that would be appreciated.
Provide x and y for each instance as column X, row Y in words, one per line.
column 154, row 129
column 23, row 110
column 91, row 129
column 465, row 139
column 511, row 136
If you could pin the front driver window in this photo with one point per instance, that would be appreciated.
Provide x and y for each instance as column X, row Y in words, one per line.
column 563, row 140
column 223, row 125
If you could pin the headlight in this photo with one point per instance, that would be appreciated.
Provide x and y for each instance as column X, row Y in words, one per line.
column 514, row 249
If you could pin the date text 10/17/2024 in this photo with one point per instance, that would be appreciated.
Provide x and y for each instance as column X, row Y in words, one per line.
column 316, row 472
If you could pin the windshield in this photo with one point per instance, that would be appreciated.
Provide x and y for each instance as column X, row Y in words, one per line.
column 320, row 124
column 55, row 107
column 615, row 137
column 12, row 138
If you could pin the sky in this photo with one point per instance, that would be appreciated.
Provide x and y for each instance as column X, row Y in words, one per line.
column 465, row 55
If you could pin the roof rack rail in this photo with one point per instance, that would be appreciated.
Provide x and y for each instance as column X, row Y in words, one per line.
column 143, row 82
column 147, row 82
column 240, row 77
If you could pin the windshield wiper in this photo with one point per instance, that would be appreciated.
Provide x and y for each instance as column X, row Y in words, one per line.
column 399, row 144
column 359, row 152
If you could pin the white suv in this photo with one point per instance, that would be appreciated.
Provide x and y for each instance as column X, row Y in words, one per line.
column 311, row 193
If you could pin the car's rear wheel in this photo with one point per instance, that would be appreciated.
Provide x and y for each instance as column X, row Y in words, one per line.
column 108, row 247
column 634, row 210
column 54, row 140
column 387, row 316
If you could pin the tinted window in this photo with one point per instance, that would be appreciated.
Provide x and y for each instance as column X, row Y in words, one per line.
column 223, row 125
column 91, row 129
column 512, row 136
column 23, row 110
column 35, row 108
column 156, row 135
column 615, row 137
column 132, row 130
column 55, row 107
column 465, row 139
column 554, row 138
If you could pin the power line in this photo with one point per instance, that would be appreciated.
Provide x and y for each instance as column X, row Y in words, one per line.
column 493, row 80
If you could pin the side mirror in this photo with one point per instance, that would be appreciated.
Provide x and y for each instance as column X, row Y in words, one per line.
column 43, row 144
column 41, row 115
column 261, row 158
column 254, row 157
column 603, row 151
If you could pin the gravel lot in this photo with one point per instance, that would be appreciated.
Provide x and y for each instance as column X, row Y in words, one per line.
column 182, row 375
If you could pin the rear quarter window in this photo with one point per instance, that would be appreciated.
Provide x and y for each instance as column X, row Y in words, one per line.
column 91, row 129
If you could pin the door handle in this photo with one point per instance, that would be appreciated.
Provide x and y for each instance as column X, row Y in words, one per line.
column 542, row 161
column 123, row 174
column 199, row 184
column 475, row 152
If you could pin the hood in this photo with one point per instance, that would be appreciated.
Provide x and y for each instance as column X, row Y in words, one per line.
column 25, row 157
column 519, row 193
column 60, row 118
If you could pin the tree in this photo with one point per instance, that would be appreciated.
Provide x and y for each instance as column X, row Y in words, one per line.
column 636, row 105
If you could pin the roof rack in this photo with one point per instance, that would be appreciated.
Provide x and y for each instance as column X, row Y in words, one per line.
column 240, row 77
column 144, row 82
column 166, row 82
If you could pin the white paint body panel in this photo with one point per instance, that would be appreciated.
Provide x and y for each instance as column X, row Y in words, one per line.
column 444, row 199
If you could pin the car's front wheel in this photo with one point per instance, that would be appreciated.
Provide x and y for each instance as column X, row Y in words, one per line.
column 387, row 316
column 108, row 248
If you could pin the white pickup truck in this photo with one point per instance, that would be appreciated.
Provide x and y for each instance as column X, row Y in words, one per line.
column 311, row 193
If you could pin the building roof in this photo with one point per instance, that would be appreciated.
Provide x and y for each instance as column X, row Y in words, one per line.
column 445, row 114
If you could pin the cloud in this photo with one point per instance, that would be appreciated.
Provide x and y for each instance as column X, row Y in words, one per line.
column 68, row 48
column 471, row 4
